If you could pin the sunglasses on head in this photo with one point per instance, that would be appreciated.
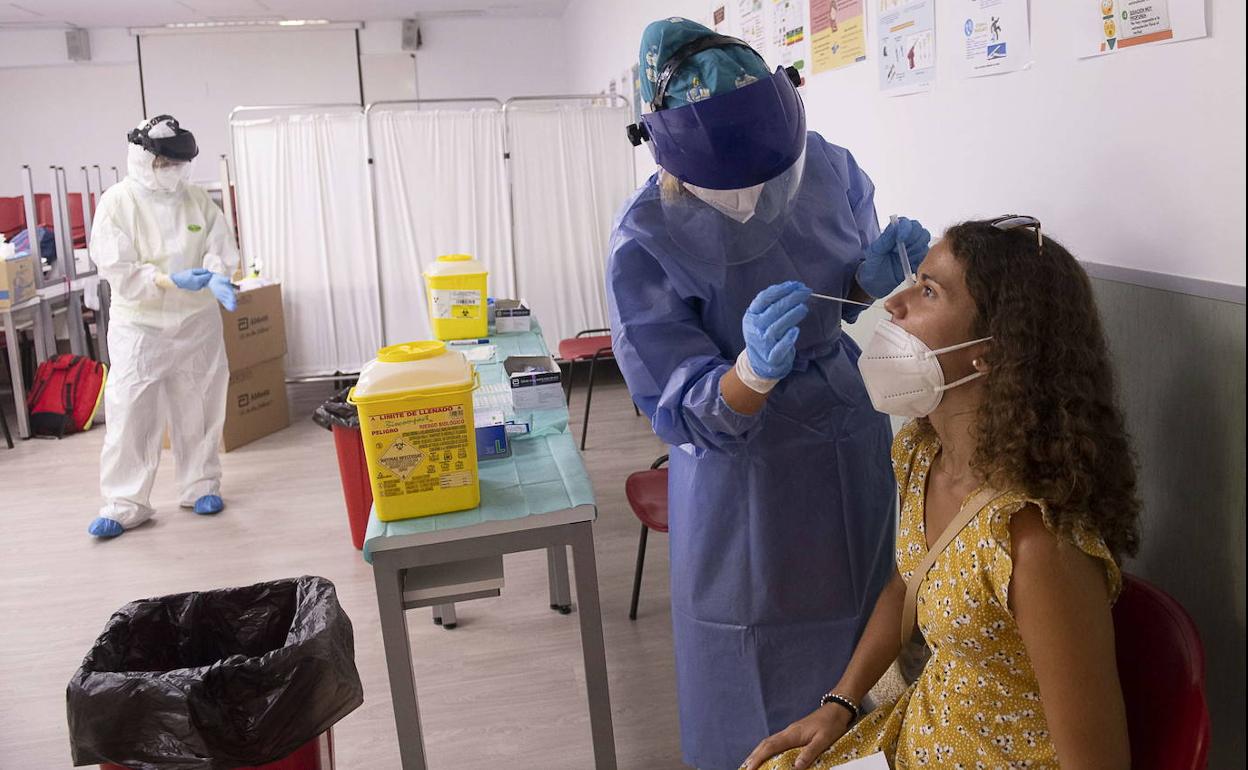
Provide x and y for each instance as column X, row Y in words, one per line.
column 1014, row 221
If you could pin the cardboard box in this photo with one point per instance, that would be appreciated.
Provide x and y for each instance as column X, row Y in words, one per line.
column 536, row 382
column 512, row 315
column 17, row 281
column 256, row 331
column 255, row 404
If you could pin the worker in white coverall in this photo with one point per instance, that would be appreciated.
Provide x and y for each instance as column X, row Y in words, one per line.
column 163, row 246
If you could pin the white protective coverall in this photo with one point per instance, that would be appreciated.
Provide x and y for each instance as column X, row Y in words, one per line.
column 168, row 356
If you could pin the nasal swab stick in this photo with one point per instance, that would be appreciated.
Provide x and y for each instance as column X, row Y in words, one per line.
column 840, row 299
column 901, row 252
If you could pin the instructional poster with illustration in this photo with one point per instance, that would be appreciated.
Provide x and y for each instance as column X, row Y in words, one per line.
column 752, row 24
column 906, row 46
column 996, row 37
column 838, row 34
column 635, row 77
column 790, row 43
column 1108, row 26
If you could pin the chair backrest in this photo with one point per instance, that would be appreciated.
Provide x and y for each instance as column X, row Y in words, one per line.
column 1161, row 664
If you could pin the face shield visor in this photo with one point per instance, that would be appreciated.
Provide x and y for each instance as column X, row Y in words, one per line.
column 178, row 145
column 731, row 141
column 732, row 167
column 732, row 163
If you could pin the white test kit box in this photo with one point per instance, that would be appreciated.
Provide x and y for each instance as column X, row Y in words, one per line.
column 536, row 382
column 512, row 315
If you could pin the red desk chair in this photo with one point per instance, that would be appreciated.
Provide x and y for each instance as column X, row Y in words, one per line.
column 591, row 345
column 647, row 494
column 1161, row 664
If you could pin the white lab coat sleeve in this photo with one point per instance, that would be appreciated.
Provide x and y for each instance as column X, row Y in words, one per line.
column 118, row 261
column 221, row 253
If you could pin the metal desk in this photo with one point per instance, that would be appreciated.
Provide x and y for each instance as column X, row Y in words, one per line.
column 540, row 498
column 30, row 313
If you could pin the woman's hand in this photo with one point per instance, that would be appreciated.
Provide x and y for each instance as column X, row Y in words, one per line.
column 815, row 734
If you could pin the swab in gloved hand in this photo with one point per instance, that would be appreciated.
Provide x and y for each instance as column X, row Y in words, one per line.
column 830, row 298
column 906, row 267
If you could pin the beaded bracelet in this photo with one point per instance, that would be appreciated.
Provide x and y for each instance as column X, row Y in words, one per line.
column 843, row 701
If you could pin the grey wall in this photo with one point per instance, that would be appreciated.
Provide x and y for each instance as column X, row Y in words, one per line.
column 1180, row 364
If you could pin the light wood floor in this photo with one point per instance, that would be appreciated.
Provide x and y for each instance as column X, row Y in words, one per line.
column 505, row 689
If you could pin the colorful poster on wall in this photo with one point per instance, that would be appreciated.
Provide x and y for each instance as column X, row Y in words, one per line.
column 906, row 43
column 790, row 45
column 996, row 37
column 719, row 18
column 636, row 89
column 752, row 24
column 838, row 34
column 1108, row 26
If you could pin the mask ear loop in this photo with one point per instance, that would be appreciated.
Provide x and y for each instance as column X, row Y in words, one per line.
column 952, row 348
column 972, row 376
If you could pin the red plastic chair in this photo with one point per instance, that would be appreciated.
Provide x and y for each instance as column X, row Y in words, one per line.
column 1161, row 664
column 647, row 495
column 591, row 345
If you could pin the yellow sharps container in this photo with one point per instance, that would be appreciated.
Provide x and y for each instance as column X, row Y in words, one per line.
column 457, row 298
column 415, row 404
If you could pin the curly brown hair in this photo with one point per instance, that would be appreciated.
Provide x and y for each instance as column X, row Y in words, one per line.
column 1049, row 422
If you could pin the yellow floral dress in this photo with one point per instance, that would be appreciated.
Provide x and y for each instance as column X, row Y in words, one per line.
column 976, row 705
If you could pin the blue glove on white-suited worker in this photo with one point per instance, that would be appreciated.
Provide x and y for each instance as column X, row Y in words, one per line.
column 770, row 329
column 881, row 271
column 224, row 291
column 192, row 280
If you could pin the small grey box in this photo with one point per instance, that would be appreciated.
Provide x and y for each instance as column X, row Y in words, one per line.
column 512, row 315
column 411, row 35
column 78, row 44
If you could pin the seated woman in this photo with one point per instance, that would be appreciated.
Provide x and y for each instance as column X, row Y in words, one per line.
column 998, row 353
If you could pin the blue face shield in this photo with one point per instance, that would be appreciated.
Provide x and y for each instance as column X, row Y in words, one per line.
column 735, row 140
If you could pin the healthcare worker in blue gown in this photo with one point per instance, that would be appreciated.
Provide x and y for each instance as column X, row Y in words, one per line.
column 781, row 495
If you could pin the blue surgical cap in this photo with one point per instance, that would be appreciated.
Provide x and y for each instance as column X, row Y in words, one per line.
column 705, row 74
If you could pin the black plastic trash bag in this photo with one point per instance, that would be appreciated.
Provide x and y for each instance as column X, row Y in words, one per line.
column 336, row 411
column 214, row 680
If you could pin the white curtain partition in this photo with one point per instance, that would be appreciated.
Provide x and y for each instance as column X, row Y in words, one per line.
column 572, row 170
column 441, row 188
column 305, row 216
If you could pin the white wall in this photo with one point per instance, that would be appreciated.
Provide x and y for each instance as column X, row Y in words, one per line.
column 474, row 57
column 1135, row 159
column 75, row 113
column 64, row 113
column 200, row 78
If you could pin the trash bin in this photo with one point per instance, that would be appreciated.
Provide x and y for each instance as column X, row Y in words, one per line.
column 316, row 754
column 342, row 419
column 216, row 680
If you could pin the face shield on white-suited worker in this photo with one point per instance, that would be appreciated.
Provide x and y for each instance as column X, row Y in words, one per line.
column 734, row 136
column 164, row 248
column 159, row 154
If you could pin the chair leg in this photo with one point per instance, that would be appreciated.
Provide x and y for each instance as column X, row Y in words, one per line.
column 4, row 426
column 90, row 342
column 589, row 398
column 641, row 562
column 636, row 411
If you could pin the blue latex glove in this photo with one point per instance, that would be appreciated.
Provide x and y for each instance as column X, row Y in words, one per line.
column 770, row 327
column 881, row 272
column 192, row 280
column 223, row 290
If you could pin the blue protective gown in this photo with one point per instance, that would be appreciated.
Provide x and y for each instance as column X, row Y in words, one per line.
column 781, row 523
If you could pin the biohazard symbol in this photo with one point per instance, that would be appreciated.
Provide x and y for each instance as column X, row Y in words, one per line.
column 402, row 458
